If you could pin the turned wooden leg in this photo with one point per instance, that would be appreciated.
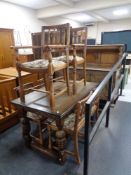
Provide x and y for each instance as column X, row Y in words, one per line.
column 84, row 73
column 66, row 77
column 26, row 129
column 50, row 72
column 67, row 72
column 40, row 133
column 61, row 142
column 74, row 80
column 74, row 70
column 84, row 65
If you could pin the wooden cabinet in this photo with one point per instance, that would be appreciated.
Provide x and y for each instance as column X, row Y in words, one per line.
column 12, row 72
column 36, row 41
column 103, row 56
column 97, row 75
column 6, row 54
column 25, row 57
column 100, row 59
column 8, row 81
column 8, row 114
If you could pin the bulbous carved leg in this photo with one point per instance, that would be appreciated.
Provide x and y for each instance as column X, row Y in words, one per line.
column 61, row 142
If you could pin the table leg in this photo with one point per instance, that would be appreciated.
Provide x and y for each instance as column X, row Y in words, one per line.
column 26, row 129
column 60, row 141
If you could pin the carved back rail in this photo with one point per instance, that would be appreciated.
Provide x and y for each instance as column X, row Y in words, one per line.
column 56, row 35
column 79, row 35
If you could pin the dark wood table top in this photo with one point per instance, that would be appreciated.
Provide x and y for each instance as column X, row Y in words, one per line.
column 38, row 102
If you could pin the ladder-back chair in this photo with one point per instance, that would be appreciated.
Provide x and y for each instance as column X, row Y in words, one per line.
column 78, row 42
column 47, row 66
column 55, row 41
column 36, row 133
column 74, row 123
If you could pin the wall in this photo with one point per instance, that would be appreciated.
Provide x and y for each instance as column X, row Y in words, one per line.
column 116, row 25
column 22, row 20
column 60, row 20
column 94, row 31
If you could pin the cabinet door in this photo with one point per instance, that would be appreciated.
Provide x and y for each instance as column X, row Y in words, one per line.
column 109, row 59
column 6, row 54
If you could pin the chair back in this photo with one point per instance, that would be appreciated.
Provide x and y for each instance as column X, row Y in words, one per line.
column 79, row 35
column 80, row 111
column 56, row 35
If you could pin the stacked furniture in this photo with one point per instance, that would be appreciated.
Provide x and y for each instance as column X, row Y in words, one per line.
column 69, row 71
column 56, row 97
column 48, row 66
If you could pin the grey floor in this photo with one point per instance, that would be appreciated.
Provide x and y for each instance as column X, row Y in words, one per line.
column 110, row 150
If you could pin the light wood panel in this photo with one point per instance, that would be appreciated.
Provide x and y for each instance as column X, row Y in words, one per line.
column 6, row 54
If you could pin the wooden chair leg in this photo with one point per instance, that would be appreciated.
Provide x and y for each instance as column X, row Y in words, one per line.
column 84, row 73
column 40, row 133
column 76, row 149
column 49, row 137
column 74, row 77
column 67, row 81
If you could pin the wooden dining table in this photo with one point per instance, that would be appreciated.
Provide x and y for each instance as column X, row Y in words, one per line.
column 38, row 103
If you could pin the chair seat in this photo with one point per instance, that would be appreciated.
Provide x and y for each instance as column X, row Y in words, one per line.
column 64, row 59
column 69, row 122
column 43, row 64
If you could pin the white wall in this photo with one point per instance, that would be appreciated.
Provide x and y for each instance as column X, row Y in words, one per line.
column 94, row 31
column 116, row 25
column 22, row 20
column 60, row 20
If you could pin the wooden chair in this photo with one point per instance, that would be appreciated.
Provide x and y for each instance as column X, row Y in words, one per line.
column 74, row 123
column 56, row 42
column 76, row 37
column 37, row 132
column 47, row 65
column 78, row 42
